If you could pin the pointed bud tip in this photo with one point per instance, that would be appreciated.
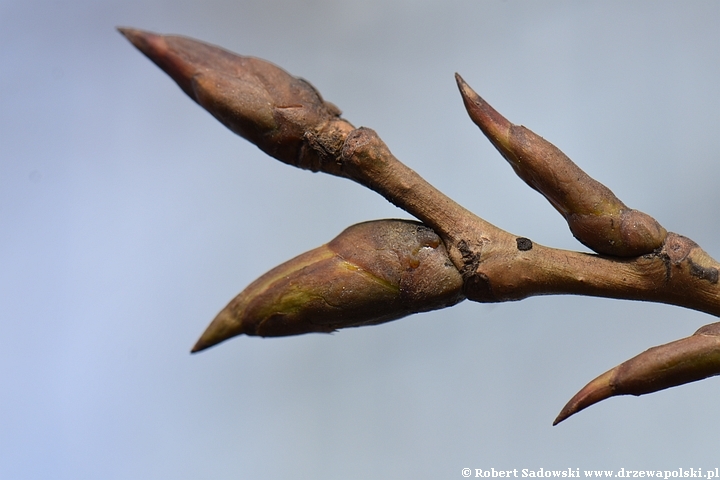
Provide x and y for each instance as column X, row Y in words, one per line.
column 141, row 39
column 126, row 31
column 224, row 326
column 204, row 343
column 470, row 98
column 594, row 392
column 179, row 57
column 466, row 92
column 491, row 123
column 199, row 346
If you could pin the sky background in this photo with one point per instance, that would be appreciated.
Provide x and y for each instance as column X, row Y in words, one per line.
column 129, row 217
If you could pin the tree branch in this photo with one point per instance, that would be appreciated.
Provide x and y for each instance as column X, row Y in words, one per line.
column 288, row 119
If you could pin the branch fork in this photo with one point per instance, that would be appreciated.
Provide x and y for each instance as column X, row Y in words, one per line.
column 379, row 271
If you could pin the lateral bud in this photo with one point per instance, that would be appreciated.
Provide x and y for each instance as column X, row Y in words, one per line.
column 683, row 361
column 371, row 273
column 596, row 217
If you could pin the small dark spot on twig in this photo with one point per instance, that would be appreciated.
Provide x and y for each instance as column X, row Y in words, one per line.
column 705, row 273
column 524, row 244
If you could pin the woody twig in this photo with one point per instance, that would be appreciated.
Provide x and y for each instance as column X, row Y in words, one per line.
column 383, row 270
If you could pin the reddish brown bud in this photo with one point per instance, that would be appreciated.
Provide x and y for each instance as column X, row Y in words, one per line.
column 371, row 273
column 596, row 217
column 255, row 99
column 682, row 361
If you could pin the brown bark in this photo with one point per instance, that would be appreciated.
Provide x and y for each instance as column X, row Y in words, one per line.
column 637, row 258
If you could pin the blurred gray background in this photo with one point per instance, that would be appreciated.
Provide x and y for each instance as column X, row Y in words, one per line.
column 129, row 217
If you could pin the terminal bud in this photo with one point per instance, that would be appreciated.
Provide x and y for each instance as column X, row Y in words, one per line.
column 254, row 98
